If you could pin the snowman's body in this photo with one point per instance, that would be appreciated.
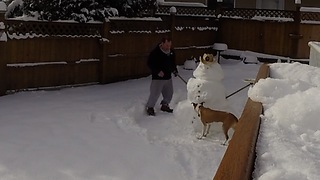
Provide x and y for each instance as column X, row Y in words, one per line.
column 207, row 86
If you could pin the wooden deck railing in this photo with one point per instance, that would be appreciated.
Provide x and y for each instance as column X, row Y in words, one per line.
column 314, row 53
column 238, row 160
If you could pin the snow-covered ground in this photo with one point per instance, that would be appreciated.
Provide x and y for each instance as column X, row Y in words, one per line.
column 100, row 132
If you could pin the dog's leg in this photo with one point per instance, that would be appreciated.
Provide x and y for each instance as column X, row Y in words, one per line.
column 225, row 131
column 207, row 130
column 203, row 131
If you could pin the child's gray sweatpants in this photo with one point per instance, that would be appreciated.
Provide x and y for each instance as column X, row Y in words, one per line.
column 158, row 87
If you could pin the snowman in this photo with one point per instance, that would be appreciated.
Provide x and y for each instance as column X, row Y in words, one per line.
column 206, row 86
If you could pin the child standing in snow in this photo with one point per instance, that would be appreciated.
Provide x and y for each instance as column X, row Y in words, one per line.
column 161, row 62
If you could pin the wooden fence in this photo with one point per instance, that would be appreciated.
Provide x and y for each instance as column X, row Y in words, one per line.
column 276, row 32
column 39, row 55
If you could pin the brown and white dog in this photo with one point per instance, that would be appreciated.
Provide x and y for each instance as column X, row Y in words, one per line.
column 208, row 116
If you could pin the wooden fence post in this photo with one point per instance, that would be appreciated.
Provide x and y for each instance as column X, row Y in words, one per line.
column 218, row 9
column 218, row 14
column 173, row 12
column 295, row 35
column 3, row 57
column 104, row 41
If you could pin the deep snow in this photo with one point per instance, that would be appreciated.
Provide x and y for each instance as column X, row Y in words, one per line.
column 101, row 132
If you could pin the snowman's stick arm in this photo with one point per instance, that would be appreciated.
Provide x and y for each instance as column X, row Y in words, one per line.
column 229, row 94
column 239, row 90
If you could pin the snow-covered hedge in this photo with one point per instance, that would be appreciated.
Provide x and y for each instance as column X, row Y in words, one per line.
column 78, row 10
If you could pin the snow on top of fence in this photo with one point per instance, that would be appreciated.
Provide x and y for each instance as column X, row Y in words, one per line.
column 162, row 31
column 136, row 18
column 35, row 19
column 188, row 4
column 117, row 32
column 280, row 19
column 35, row 64
column 33, row 35
column 193, row 47
column 179, row 28
column 310, row 9
column 139, row 31
column 87, row 60
column 49, row 63
column 310, row 22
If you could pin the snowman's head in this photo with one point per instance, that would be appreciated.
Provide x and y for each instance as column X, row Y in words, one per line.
column 207, row 59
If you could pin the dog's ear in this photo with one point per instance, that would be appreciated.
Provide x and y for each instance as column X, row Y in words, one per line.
column 202, row 103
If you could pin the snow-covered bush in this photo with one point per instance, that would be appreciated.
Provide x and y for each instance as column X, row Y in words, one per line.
column 14, row 8
column 80, row 10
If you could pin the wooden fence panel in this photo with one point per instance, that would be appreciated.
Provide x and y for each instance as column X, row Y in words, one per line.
column 125, row 67
column 51, row 61
column 52, row 75
column 183, row 38
column 127, row 56
column 133, row 43
column 33, row 46
column 183, row 54
column 194, row 31
column 242, row 34
column 33, row 77
column 36, row 50
column 309, row 32
column 276, row 39
column 87, row 72
column 126, row 44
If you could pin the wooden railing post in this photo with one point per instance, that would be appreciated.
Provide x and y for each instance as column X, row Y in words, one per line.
column 3, row 57
column 104, row 42
column 238, row 160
